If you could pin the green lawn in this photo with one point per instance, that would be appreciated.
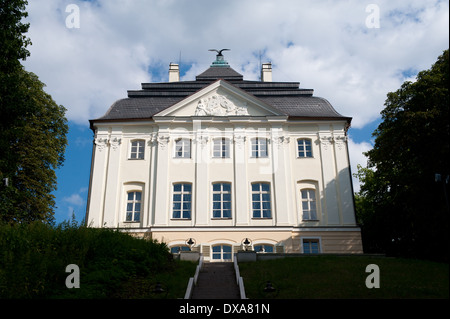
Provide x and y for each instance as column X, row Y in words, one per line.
column 331, row 277
column 174, row 282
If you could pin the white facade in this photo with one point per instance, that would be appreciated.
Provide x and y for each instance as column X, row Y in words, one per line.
column 284, row 184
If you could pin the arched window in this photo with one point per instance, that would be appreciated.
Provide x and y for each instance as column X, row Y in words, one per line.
column 178, row 249
column 263, row 248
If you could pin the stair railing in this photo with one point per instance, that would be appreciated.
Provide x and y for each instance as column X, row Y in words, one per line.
column 239, row 279
column 193, row 280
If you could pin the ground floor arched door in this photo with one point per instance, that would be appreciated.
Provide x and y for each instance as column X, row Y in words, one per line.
column 221, row 253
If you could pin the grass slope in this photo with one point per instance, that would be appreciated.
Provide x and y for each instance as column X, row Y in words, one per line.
column 112, row 264
column 332, row 277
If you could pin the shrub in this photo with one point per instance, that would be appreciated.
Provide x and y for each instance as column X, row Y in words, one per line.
column 34, row 257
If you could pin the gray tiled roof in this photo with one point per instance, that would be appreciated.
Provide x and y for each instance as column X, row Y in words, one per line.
column 305, row 106
column 225, row 73
column 139, row 108
column 287, row 97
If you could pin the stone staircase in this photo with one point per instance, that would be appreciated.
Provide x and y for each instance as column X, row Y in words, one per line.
column 216, row 280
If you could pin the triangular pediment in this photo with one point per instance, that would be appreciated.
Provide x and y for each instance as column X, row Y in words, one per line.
column 220, row 99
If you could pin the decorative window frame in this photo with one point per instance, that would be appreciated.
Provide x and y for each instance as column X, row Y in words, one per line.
column 308, row 185
column 127, row 188
column 223, row 242
column 130, row 148
column 297, row 147
column 309, row 200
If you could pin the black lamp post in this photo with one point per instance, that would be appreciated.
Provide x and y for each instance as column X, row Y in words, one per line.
column 190, row 242
column 269, row 290
column 158, row 290
column 246, row 242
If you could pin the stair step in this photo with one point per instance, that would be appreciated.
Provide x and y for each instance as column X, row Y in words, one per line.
column 216, row 281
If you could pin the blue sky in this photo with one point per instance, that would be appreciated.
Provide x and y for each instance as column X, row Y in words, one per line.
column 328, row 46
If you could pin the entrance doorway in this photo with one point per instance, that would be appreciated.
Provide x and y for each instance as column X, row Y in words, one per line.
column 222, row 253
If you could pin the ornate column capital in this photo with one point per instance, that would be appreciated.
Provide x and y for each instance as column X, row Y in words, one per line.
column 101, row 143
column 326, row 141
column 115, row 142
column 163, row 140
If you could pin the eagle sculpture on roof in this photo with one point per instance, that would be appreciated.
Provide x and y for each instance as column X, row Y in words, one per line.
column 219, row 53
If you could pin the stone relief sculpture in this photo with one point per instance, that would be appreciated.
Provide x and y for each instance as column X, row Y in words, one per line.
column 219, row 105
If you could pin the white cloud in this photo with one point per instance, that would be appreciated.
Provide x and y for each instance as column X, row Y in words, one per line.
column 324, row 45
column 74, row 199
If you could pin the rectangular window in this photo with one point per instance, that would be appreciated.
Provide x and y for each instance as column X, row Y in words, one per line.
column 133, row 207
column 221, row 200
column 183, row 148
column 309, row 207
column 261, row 200
column 182, row 198
column 259, row 147
column 304, row 148
column 221, row 148
column 137, row 150
column 311, row 246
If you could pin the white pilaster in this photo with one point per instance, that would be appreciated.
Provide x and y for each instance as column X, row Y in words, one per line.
column 112, row 190
column 241, row 183
column 98, row 182
column 162, row 187
column 152, row 146
column 202, row 185
column 344, row 179
column 331, row 204
column 281, row 186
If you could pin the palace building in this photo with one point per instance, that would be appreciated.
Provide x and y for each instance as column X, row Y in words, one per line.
column 219, row 163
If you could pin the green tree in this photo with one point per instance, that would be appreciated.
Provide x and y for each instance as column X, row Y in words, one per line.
column 12, row 50
column 12, row 31
column 32, row 127
column 401, row 207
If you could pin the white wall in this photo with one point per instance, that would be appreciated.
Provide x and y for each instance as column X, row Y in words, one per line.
column 114, row 173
